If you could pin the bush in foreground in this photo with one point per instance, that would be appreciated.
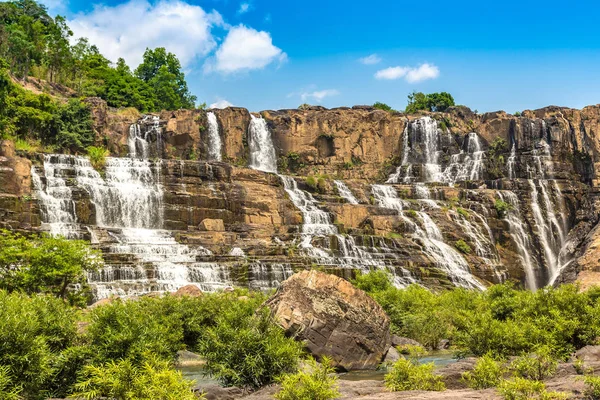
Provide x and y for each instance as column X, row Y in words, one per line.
column 524, row 389
column 409, row 375
column 248, row 353
column 487, row 373
column 123, row 380
column 319, row 383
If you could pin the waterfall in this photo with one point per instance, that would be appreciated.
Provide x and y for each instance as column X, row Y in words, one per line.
column 465, row 165
column 262, row 152
column 214, row 139
column 345, row 192
column 520, row 235
column 444, row 256
column 138, row 143
column 56, row 200
column 425, row 129
column 511, row 163
column 421, row 192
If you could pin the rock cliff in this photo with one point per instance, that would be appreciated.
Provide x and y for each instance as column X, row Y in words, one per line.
column 444, row 199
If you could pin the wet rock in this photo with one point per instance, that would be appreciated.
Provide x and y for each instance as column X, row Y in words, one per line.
column 333, row 318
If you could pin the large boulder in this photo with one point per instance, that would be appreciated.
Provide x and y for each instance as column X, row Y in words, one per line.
column 333, row 318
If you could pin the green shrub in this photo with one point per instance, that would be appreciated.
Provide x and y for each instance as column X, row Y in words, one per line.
column 123, row 380
column 374, row 281
column 47, row 265
column 502, row 208
column 318, row 383
column 250, row 352
column 463, row 247
column 517, row 113
column 537, row 366
column 34, row 332
column 97, row 156
column 463, row 212
column 487, row 373
column 410, row 213
column 592, row 387
column 524, row 389
column 408, row 375
column 382, row 106
column 8, row 390
column 304, row 106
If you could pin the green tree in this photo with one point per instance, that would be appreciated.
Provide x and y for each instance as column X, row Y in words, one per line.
column 418, row 101
column 162, row 71
column 46, row 264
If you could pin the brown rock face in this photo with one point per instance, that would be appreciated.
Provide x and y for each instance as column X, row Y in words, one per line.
column 334, row 318
column 189, row 291
column 212, row 225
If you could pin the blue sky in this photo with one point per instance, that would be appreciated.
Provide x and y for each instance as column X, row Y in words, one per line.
column 264, row 54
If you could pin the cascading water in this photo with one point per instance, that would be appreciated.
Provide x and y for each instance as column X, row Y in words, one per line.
column 56, row 199
column 262, row 151
column 520, row 235
column 465, row 165
column 345, row 192
column 214, row 139
column 445, row 257
column 512, row 162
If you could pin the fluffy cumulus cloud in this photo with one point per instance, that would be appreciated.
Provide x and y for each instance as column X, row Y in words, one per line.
column 370, row 60
column 221, row 104
column 318, row 95
column 127, row 29
column 410, row 74
column 244, row 49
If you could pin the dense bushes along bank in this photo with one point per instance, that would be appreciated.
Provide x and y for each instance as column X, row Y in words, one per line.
column 50, row 347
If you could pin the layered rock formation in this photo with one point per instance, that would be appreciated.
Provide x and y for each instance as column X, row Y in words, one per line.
column 443, row 199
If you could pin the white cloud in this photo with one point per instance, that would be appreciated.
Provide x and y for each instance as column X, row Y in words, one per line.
column 370, row 60
column 410, row 74
column 244, row 49
column 391, row 73
column 319, row 95
column 221, row 104
column 244, row 8
column 127, row 29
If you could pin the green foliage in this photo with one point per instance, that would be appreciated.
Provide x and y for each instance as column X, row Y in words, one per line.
column 374, row 281
column 524, row 389
column 35, row 44
column 74, row 126
column 411, row 213
column 382, row 106
column 44, row 264
column 304, row 106
column 418, row 101
column 537, row 366
column 463, row 247
column 501, row 321
column 502, row 208
column 317, row 182
column 154, row 379
column 97, row 156
column 161, row 70
column 8, row 391
column 319, row 383
column 249, row 352
column 409, row 375
column 487, row 373
column 517, row 113
column 290, row 162
column 34, row 332
column 463, row 212
column 592, row 387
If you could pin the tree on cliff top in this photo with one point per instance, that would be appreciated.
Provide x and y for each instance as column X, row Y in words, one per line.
column 418, row 101
column 162, row 71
